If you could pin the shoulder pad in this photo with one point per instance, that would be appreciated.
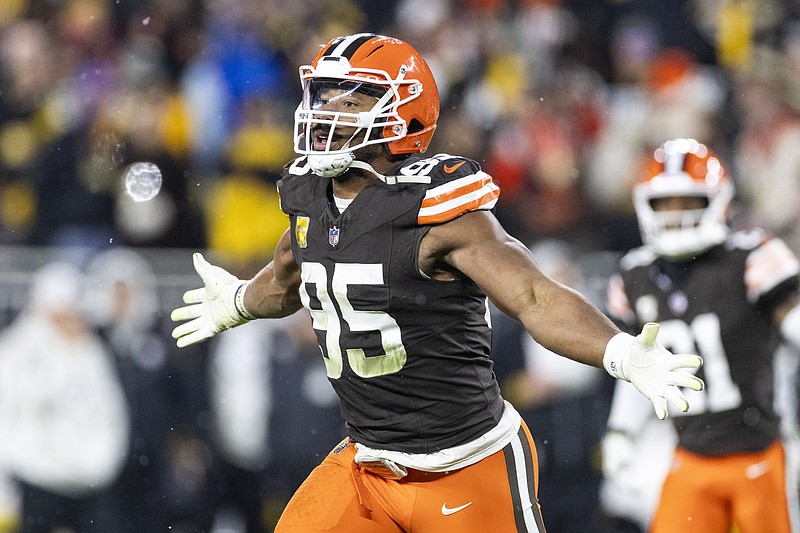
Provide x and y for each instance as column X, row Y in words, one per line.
column 440, row 168
column 457, row 186
column 746, row 240
column 638, row 257
column 768, row 265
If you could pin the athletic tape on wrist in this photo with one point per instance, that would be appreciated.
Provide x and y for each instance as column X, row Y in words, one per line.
column 616, row 350
column 238, row 303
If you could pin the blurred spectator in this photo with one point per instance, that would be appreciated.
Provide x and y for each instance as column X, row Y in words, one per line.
column 122, row 302
column 538, row 155
column 148, row 129
column 274, row 417
column 673, row 96
column 166, row 483
column 241, row 403
column 70, row 211
column 767, row 163
column 241, row 208
column 305, row 423
column 238, row 62
column 62, row 411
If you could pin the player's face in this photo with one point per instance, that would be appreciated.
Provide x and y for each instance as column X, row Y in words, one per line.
column 678, row 204
column 339, row 98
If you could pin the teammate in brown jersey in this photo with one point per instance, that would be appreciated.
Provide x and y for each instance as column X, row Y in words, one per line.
column 727, row 296
column 394, row 257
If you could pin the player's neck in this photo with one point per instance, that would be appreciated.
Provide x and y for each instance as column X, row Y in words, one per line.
column 349, row 184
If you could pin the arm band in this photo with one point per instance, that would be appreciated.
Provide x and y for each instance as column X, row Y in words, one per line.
column 617, row 350
column 238, row 303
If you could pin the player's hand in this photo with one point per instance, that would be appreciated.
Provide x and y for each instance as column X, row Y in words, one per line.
column 618, row 453
column 652, row 369
column 213, row 308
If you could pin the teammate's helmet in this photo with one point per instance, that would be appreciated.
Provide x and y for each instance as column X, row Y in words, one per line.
column 683, row 167
column 389, row 69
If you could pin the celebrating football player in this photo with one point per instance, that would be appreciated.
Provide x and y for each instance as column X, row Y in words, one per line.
column 728, row 296
column 394, row 256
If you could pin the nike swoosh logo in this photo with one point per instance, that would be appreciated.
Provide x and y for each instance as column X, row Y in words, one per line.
column 452, row 168
column 757, row 470
column 448, row 511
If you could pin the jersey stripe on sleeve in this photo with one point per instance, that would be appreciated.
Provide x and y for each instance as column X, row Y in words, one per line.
column 470, row 193
column 768, row 266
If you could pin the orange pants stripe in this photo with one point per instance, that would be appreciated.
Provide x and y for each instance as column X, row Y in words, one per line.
column 497, row 494
column 714, row 494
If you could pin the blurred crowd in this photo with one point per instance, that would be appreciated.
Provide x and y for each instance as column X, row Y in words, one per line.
column 108, row 427
column 559, row 100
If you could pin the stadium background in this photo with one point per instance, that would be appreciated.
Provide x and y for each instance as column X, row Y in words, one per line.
column 558, row 100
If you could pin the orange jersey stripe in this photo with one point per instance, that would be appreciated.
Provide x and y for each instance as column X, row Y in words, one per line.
column 487, row 201
column 445, row 202
column 768, row 266
column 475, row 183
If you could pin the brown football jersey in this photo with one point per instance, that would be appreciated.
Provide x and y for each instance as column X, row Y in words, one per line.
column 717, row 305
column 407, row 355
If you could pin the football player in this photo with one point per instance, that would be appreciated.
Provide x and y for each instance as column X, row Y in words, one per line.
column 394, row 256
column 727, row 296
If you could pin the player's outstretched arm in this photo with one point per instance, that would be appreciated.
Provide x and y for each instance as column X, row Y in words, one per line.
column 225, row 301
column 652, row 369
column 212, row 308
column 559, row 318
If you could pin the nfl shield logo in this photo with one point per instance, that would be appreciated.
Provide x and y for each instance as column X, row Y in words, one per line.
column 333, row 236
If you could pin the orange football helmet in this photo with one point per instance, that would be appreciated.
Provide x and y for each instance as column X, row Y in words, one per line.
column 680, row 168
column 404, row 116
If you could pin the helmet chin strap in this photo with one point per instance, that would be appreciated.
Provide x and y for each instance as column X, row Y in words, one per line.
column 330, row 166
column 390, row 180
column 369, row 168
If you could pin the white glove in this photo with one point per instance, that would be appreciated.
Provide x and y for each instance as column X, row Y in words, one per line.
column 216, row 307
column 618, row 452
column 652, row 369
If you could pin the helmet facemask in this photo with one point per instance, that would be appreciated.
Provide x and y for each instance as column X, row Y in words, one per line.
column 685, row 177
column 681, row 234
column 330, row 136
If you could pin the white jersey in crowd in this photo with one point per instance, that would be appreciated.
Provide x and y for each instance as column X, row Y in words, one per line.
column 63, row 415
